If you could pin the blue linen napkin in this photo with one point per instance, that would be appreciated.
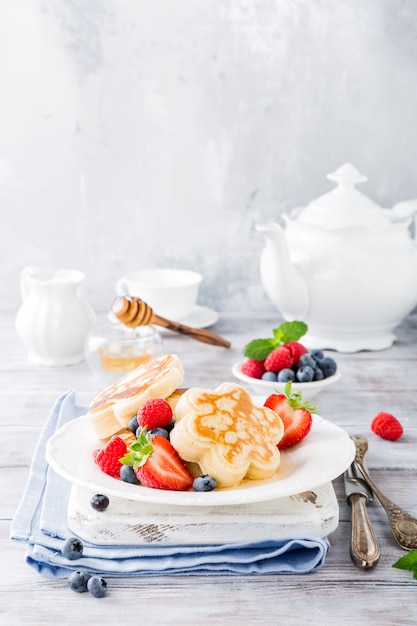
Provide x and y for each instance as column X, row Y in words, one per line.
column 41, row 523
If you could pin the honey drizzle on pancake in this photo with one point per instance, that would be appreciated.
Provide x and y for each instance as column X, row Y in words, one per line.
column 233, row 422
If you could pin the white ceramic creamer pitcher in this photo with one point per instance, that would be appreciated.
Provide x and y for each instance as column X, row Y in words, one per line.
column 54, row 318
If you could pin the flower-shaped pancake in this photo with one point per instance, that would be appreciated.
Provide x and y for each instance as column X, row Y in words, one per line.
column 226, row 434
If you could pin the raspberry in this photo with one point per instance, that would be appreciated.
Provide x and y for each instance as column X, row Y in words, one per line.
column 108, row 458
column 154, row 413
column 297, row 349
column 386, row 426
column 253, row 368
column 278, row 359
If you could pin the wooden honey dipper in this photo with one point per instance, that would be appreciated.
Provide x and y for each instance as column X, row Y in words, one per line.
column 133, row 311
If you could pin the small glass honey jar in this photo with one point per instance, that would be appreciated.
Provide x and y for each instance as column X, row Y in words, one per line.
column 112, row 349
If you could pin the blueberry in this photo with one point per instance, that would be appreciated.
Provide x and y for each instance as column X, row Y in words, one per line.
column 127, row 473
column 285, row 375
column 77, row 581
column 305, row 374
column 307, row 359
column 72, row 548
column 270, row 377
column 160, row 432
column 97, row 586
column 170, row 426
column 204, row 483
column 316, row 354
column 99, row 502
column 318, row 373
column 133, row 424
column 328, row 366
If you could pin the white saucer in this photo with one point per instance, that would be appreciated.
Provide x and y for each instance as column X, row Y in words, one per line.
column 200, row 317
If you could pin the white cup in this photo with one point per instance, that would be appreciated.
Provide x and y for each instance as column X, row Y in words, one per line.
column 171, row 293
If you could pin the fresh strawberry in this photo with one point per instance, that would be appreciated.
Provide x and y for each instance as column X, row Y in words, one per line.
column 157, row 464
column 297, row 349
column 253, row 368
column 154, row 413
column 279, row 359
column 386, row 426
column 108, row 457
column 295, row 414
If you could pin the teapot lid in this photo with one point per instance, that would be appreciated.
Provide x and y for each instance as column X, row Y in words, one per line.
column 344, row 206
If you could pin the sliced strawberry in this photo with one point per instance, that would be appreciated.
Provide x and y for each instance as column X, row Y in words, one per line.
column 296, row 415
column 157, row 464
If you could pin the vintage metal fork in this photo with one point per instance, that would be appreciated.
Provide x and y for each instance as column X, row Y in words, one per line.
column 403, row 525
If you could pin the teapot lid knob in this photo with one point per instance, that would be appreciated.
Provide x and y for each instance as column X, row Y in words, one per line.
column 347, row 174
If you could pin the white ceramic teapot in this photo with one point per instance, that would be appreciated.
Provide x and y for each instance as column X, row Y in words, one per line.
column 54, row 318
column 345, row 266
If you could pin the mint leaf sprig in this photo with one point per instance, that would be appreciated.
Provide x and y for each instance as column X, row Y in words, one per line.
column 408, row 562
column 259, row 349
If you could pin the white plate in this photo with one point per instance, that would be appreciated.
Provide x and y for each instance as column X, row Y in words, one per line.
column 321, row 457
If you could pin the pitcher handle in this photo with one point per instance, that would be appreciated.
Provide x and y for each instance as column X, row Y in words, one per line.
column 25, row 282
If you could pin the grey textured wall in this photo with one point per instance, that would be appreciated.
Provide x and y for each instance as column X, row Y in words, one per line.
column 153, row 133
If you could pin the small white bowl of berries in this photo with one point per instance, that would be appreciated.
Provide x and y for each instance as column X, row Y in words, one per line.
column 271, row 363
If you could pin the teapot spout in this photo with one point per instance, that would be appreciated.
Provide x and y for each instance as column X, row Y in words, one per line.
column 283, row 281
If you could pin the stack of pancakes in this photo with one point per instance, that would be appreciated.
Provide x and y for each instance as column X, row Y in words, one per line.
column 111, row 409
column 220, row 430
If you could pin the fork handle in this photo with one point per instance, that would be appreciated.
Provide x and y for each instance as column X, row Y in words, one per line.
column 364, row 548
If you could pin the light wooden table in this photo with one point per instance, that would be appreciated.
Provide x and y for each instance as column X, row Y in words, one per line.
column 339, row 593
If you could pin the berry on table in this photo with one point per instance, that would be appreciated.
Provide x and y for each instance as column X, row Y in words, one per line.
column 387, row 426
column 154, row 413
column 204, row 483
column 253, row 368
column 97, row 586
column 72, row 548
column 77, row 581
column 99, row 502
